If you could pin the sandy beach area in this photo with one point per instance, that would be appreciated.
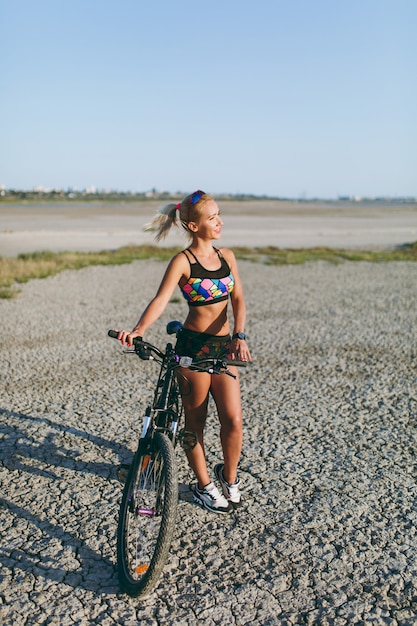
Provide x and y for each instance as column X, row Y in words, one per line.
column 101, row 226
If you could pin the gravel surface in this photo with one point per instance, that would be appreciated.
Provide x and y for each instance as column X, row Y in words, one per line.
column 328, row 533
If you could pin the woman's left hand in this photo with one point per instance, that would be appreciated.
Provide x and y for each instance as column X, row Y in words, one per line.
column 240, row 350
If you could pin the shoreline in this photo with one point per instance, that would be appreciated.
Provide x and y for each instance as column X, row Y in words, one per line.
column 106, row 226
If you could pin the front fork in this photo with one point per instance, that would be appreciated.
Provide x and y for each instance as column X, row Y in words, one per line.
column 147, row 421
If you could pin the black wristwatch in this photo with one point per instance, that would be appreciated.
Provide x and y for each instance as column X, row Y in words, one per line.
column 239, row 336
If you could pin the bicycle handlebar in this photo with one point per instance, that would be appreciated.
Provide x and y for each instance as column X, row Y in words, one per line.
column 206, row 363
column 143, row 349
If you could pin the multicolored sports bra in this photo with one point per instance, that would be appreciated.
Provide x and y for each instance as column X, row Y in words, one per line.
column 207, row 286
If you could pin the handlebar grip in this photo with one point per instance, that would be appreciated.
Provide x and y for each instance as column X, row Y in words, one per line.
column 114, row 334
column 236, row 362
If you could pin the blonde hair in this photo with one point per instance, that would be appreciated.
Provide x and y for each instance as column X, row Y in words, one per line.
column 187, row 211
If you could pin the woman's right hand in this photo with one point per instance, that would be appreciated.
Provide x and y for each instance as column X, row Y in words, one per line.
column 127, row 337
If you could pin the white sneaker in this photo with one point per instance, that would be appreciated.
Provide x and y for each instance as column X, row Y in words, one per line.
column 211, row 499
column 231, row 491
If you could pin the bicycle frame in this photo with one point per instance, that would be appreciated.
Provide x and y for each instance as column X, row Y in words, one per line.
column 166, row 411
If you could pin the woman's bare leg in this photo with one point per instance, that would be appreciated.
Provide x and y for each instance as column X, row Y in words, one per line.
column 195, row 399
column 226, row 394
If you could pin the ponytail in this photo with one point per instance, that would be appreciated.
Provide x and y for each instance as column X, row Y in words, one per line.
column 184, row 212
column 163, row 220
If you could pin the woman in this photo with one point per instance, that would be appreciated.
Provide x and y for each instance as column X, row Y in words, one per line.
column 207, row 278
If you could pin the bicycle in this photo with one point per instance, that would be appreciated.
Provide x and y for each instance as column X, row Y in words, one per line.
column 149, row 503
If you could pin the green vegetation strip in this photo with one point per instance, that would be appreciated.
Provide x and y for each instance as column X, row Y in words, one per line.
column 21, row 269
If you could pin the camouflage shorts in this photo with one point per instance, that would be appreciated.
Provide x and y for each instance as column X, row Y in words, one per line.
column 202, row 345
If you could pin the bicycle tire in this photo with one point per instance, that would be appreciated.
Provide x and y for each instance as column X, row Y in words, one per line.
column 147, row 516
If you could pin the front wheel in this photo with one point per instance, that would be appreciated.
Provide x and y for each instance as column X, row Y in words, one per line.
column 147, row 516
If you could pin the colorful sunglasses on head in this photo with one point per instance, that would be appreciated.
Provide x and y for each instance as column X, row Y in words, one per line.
column 196, row 196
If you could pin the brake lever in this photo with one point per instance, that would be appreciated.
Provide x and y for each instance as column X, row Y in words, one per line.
column 222, row 370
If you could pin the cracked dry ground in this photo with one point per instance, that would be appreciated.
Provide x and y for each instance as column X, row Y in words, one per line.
column 328, row 532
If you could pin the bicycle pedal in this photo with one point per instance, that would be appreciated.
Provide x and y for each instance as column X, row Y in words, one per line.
column 187, row 439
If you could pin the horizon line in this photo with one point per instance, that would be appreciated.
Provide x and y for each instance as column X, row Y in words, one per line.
column 71, row 192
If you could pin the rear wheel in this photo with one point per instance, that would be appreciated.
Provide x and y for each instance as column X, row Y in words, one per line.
column 147, row 516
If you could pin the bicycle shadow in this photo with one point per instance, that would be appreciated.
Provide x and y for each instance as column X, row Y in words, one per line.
column 48, row 447
column 33, row 445
column 94, row 572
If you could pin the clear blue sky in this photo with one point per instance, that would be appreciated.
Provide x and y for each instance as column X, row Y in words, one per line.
column 294, row 98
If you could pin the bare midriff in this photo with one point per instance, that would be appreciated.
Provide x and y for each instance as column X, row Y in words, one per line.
column 210, row 318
